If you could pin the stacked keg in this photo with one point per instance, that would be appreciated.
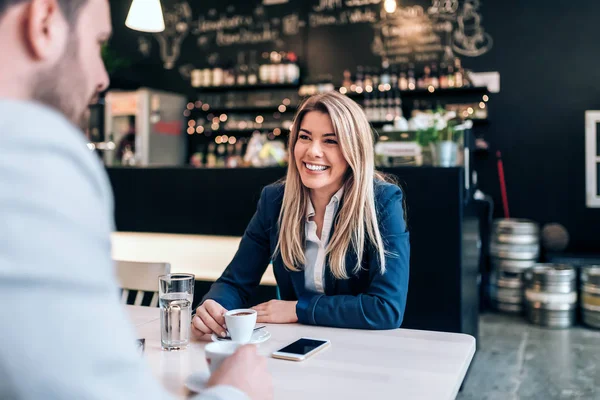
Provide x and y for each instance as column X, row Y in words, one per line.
column 551, row 295
column 514, row 248
column 590, row 295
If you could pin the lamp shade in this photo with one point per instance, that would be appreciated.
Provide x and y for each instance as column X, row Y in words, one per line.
column 145, row 16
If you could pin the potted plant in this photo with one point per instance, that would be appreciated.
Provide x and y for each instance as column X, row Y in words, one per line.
column 440, row 133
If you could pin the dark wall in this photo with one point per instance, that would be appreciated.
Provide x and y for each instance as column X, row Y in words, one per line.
column 546, row 53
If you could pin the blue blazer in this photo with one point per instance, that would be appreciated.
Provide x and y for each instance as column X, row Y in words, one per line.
column 367, row 300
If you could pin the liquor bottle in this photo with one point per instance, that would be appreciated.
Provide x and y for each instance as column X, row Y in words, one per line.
column 221, row 155
column 360, row 77
column 382, row 107
column 425, row 78
column 347, row 82
column 386, row 78
column 448, row 60
column 229, row 76
column 293, row 70
column 390, row 110
column 403, row 79
column 241, row 70
column 282, row 68
column 264, row 71
column 443, row 75
column 217, row 77
column 397, row 105
column 412, row 82
column 207, row 80
column 459, row 73
column 252, row 69
column 375, row 77
column 435, row 80
column 394, row 77
column 451, row 77
column 211, row 157
column 368, row 77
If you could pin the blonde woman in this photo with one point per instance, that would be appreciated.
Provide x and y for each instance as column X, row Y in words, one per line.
column 334, row 230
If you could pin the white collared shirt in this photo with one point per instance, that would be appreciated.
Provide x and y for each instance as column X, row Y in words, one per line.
column 314, row 248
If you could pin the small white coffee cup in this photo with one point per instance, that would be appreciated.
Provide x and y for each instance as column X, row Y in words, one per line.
column 240, row 324
column 217, row 352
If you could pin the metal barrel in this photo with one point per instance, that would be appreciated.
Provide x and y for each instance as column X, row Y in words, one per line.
column 506, row 292
column 590, row 295
column 551, row 295
column 514, row 248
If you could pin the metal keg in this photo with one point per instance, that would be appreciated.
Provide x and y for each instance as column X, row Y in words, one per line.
column 514, row 248
column 506, row 292
column 551, row 295
column 515, row 266
column 590, row 295
column 515, row 239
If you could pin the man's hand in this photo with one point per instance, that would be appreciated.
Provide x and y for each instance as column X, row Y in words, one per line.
column 247, row 371
column 209, row 318
column 276, row 312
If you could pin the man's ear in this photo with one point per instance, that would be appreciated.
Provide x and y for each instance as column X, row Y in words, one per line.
column 45, row 30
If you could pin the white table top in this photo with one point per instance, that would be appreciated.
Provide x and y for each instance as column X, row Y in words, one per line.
column 204, row 256
column 396, row 364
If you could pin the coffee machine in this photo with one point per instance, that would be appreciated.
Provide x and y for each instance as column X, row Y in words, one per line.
column 143, row 128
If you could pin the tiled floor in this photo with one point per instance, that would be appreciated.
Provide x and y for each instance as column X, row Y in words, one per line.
column 516, row 360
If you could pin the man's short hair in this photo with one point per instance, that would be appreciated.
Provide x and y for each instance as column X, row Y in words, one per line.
column 70, row 8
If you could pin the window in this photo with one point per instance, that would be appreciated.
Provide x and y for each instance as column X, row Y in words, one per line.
column 592, row 159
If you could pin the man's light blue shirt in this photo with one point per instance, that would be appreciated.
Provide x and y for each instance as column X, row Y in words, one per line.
column 63, row 333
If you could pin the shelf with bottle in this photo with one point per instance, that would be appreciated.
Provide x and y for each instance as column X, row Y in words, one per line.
column 280, row 108
column 208, row 131
column 277, row 70
column 389, row 109
column 476, row 122
column 448, row 74
column 424, row 93
column 259, row 150
column 238, row 123
column 255, row 102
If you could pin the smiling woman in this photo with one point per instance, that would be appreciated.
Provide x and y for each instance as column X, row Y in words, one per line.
column 334, row 231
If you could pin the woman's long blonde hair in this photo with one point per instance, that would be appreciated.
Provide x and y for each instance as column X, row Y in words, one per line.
column 357, row 217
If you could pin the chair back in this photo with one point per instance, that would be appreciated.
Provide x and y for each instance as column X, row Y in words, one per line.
column 139, row 281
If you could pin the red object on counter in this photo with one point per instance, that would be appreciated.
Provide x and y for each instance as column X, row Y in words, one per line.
column 502, row 184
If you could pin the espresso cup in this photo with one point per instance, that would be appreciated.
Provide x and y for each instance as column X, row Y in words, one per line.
column 217, row 352
column 240, row 324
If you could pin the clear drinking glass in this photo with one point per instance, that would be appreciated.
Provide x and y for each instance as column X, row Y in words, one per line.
column 176, row 293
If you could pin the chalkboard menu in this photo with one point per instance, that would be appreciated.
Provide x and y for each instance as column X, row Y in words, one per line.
column 348, row 33
column 215, row 33
column 328, row 36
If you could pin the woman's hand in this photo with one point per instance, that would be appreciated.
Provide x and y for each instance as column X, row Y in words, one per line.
column 276, row 312
column 209, row 318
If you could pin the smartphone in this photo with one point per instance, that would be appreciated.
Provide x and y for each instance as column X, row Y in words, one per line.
column 301, row 349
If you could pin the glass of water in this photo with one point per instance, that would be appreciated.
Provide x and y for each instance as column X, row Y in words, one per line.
column 176, row 293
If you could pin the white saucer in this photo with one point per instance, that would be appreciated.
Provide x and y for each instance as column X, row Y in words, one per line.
column 197, row 381
column 257, row 337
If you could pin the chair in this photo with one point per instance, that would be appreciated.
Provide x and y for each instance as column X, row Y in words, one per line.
column 140, row 277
